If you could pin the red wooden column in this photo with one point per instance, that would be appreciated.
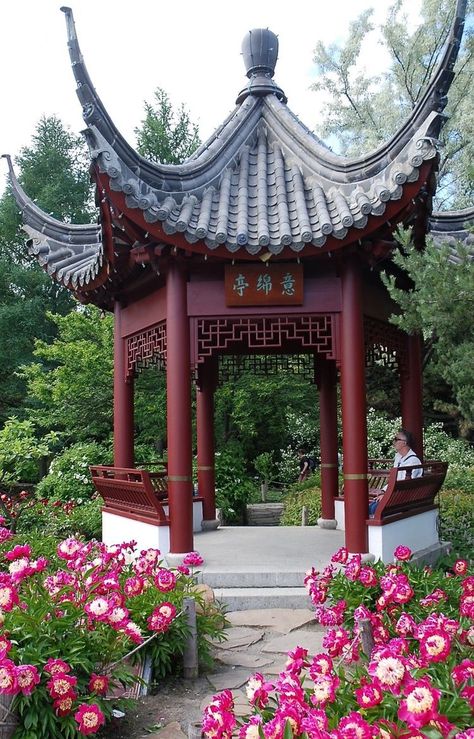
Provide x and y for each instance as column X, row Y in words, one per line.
column 327, row 380
column 205, row 442
column 178, row 403
column 412, row 392
column 123, row 398
column 354, row 423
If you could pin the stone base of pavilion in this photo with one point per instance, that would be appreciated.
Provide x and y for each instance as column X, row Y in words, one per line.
column 419, row 532
column 156, row 535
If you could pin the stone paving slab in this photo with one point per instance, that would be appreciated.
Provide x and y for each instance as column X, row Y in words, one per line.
column 172, row 731
column 228, row 679
column 282, row 620
column 310, row 640
column 241, row 659
column 238, row 637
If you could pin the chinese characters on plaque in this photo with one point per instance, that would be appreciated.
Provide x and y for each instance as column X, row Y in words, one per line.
column 272, row 284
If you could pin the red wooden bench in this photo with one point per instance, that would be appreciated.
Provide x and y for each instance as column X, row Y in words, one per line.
column 135, row 494
column 408, row 497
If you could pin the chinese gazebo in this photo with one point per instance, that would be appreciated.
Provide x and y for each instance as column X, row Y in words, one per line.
column 264, row 242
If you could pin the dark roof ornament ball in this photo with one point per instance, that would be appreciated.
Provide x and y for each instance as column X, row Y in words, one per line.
column 260, row 53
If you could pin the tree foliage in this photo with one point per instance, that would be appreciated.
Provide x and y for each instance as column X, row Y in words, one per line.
column 54, row 173
column 366, row 108
column 441, row 306
column 166, row 135
column 70, row 387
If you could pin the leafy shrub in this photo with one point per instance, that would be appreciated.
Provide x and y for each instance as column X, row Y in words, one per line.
column 439, row 445
column 460, row 478
column 456, row 523
column 397, row 659
column 69, row 477
column 21, row 452
column 62, row 519
column 70, row 623
column 306, row 495
column 234, row 487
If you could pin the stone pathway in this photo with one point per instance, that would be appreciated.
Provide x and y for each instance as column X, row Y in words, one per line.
column 257, row 641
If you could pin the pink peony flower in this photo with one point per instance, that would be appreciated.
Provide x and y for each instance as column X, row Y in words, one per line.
column 340, row 556
column 219, row 720
column 335, row 640
column 369, row 695
column 388, row 669
column 118, row 617
column 435, row 647
column 315, row 723
column 463, row 672
column 183, row 570
column 5, row 534
column 98, row 684
column 63, row 706
column 68, row 548
column 353, row 726
column 133, row 631
column 27, row 678
column 368, row 577
column 8, row 597
column 468, row 694
column 257, row 690
column 460, row 567
column 90, row 718
column 250, row 730
column 18, row 551
column 296, row 660
column 402, row 553
column 405, row 624
column 99, row 608
column 134, row 586
column 55, row 666
column 321, row 665
column 5, row 646
column 8, row 677
column 324, row 690
column 161, row 618
column 61, row 684
column 165, row 580
column 193, row 559
column 353, row 567
column 420, row 705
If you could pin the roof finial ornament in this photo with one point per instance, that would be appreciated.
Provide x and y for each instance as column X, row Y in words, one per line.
column 260, row 53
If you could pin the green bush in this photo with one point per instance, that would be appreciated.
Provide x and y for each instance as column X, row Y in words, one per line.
column 302, row 495
column 234, row 486
column 460, row 478
column 62, row 520
column 69, row 477
column 456, row 521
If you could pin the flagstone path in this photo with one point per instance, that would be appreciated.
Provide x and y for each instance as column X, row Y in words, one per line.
column 257, row 642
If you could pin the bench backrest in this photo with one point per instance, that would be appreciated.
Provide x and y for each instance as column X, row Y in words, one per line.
column 411, row 495
column 128, row 491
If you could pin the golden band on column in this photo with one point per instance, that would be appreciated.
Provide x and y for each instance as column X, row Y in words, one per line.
column 179, row 478
column 349, row 476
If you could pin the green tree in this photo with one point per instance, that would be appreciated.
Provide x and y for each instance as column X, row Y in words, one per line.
column 441, row 306
column 54, row 173
column 365, row 109
column 166, row 135
column 70, row 389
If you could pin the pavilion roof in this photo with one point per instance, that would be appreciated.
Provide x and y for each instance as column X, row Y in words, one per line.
column 450, row 228
column 261, row 184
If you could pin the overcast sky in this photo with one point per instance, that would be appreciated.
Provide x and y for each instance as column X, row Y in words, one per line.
column 191, row 49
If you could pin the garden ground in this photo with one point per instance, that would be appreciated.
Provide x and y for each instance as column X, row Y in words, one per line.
column 257, row 642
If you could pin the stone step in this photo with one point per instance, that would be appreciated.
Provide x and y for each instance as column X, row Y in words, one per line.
column 249, row 579
column 242, row 599
column 264, row 514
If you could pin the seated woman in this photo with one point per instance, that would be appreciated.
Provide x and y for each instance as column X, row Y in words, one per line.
column 404, row 457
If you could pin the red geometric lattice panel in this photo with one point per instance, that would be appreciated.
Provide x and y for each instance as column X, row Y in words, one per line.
column 385, row 344
column 146, row 348
column 270, row 333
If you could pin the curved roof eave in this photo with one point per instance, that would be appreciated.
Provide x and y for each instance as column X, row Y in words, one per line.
column 71, row 253
column 451, row 228
column 199, row 170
